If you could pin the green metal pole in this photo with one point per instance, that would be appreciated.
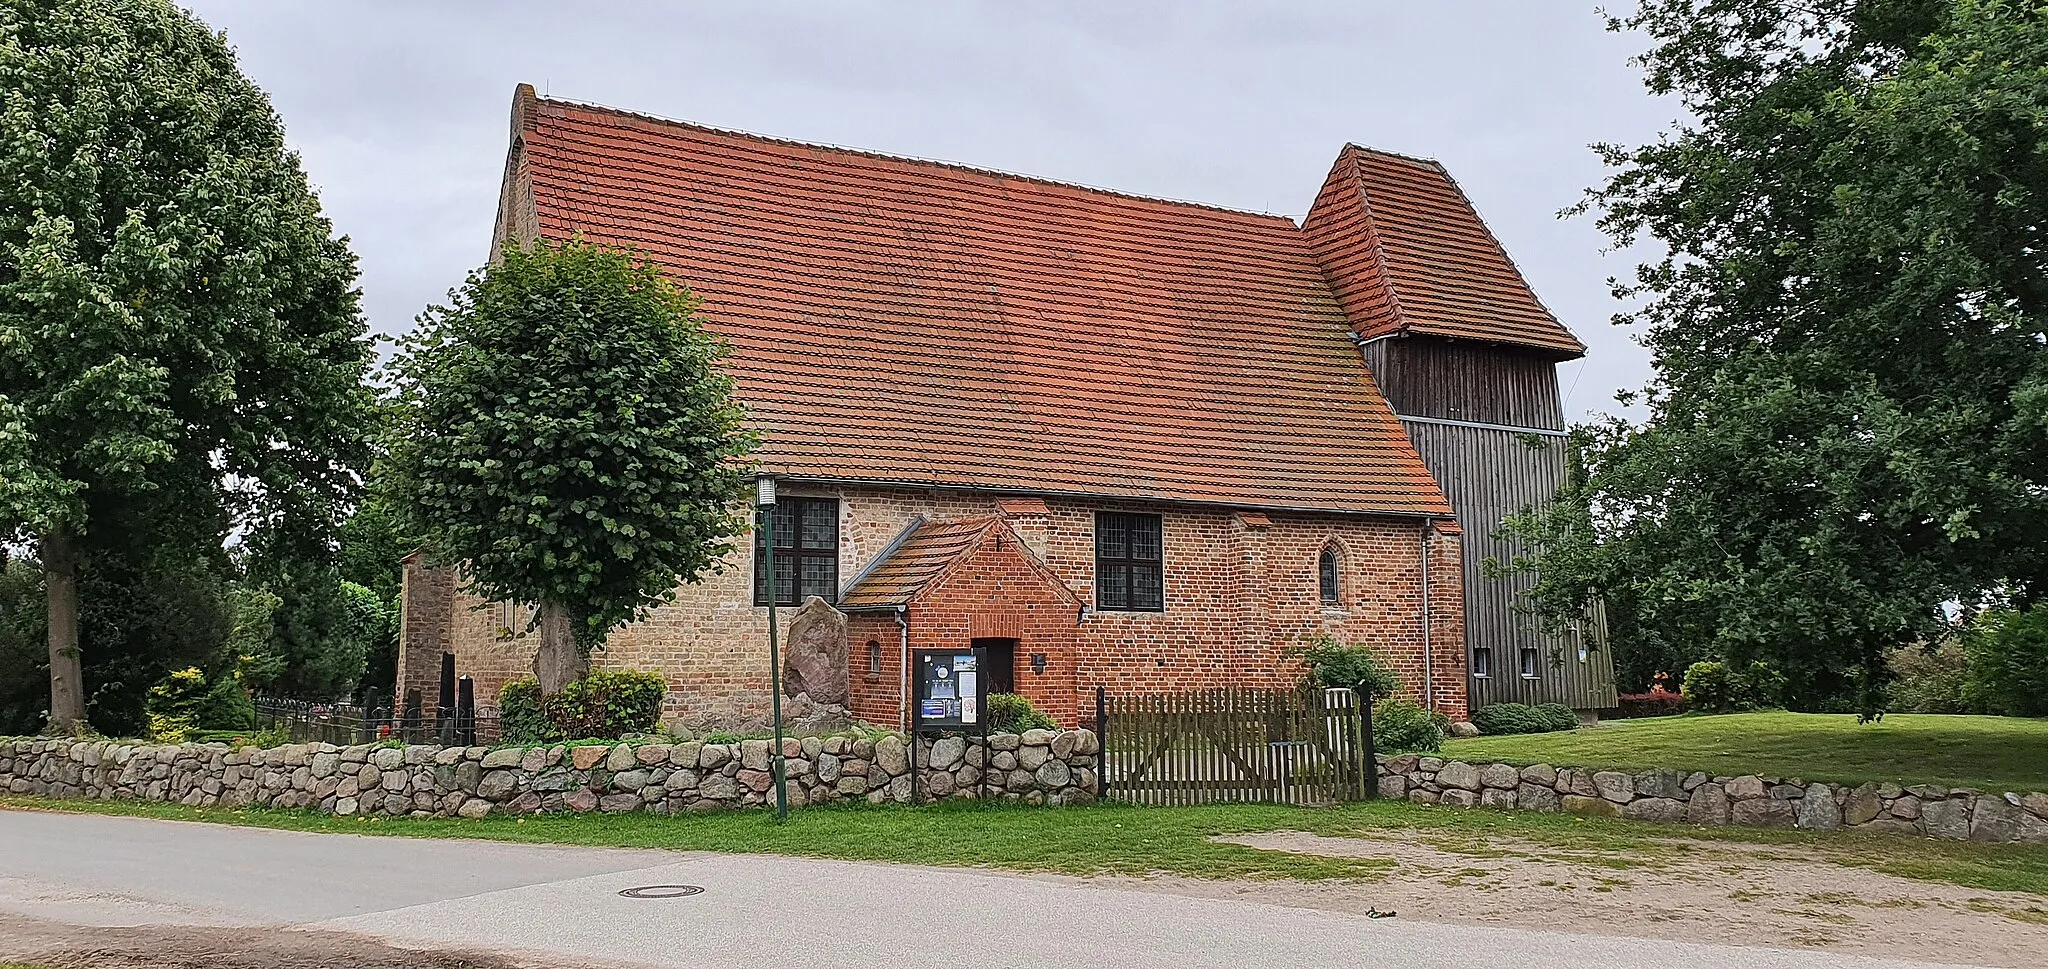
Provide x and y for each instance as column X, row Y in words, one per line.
column 774, row 664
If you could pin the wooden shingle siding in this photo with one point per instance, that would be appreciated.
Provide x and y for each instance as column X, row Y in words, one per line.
column 1468, row 381
column 1489, row 473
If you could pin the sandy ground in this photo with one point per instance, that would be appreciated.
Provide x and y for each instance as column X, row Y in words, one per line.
column 64, row 946
column 1720, row 892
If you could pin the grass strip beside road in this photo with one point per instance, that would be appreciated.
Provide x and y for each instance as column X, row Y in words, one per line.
column 1987, row 753
column 1135, row 841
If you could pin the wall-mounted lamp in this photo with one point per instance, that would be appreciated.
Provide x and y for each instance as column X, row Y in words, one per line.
column 1037, row 662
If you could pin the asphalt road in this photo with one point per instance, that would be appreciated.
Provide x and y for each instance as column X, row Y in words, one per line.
column 755, row 912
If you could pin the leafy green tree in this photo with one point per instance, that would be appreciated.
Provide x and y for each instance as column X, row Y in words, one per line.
column 2007, row 653
column 178, row 322
column 1848, row 423
column 567, row 436
column 372, row 550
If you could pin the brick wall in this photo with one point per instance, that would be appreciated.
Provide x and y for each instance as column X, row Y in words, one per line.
column 1240, row 591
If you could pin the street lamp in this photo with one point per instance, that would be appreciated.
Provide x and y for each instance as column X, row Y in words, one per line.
column 765, row 501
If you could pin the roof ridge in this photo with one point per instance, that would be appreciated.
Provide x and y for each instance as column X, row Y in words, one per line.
column 1379, row 249
column 1398, row 155
column 914, row 159
column 1509, row 258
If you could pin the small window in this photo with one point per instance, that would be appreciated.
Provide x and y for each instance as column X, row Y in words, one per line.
column 806, row 552
column 1129, row 563
column 510, row 624
column 874, row 656
column 1482, row 662
column 1326, row 577
column 1531, row 664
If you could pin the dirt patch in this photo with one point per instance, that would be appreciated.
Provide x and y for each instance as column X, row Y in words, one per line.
column 1703, row 891
column 61, row 946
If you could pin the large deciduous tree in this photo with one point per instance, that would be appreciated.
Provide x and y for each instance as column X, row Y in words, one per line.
column 1847, row 429
column 567, row 437
column 178, row 322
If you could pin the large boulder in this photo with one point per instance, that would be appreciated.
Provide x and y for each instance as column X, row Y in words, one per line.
column 1536, row 797
column 1597, row 807
column 891, row 755
column 1663, row 809
column 1615, row 786
column 1459, row 775
column 814, row 653
column 1995, row 820
column 1946, row 818
column 1762, row 812
column 1709, row 805
column 1500, row 776
column 947, row 753
column 1863, row 805
column 1818, row 810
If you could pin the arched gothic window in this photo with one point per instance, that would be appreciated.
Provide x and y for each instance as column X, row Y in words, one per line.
column 1326, row 577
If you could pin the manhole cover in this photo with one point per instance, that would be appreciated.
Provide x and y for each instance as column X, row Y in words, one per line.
column 662, row 891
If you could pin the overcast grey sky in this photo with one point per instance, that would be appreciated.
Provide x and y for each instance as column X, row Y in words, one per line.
column 399, row 108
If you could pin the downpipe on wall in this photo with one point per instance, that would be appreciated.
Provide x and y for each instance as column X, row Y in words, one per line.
column 1428, row 620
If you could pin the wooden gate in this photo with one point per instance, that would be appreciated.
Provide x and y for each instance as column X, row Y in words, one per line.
column 1306, row 746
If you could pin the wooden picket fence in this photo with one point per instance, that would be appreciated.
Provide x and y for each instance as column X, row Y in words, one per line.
column 1306, row 746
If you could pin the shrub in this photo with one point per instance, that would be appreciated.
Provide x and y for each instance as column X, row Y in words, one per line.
column 1656, row 703
column 1506, row 718
column 1402, row 727
column 2007, row 651
column 1332, row 664
column 1930, row 679
column 1720, row 688
column 173, row 706
column 604, row 704
column 226, row 706
column 1010, row 713
column 520, row 717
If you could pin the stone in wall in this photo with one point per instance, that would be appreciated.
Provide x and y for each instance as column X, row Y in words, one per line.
column 474, row 782
column 1696, row 798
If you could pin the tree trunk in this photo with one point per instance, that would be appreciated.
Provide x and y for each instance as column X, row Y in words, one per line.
column 558, row 662
column 67, row 677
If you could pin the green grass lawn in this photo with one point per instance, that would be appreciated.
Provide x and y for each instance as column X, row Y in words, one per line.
column 1122, row 840
column 1989, row 753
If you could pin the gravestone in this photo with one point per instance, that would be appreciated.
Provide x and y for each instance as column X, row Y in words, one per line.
column 814, row 653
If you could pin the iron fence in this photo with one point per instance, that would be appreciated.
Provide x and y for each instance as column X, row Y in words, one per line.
column 342, row 724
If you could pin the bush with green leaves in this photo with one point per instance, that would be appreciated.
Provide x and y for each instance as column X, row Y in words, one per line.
column 604, row 704
column 1507, row 718
column 1401, row 726
column 2007, row 652
column 1334, row 665
column 521, row 720
column 1011, row 713
column 1714, row 687
column 1930, row 678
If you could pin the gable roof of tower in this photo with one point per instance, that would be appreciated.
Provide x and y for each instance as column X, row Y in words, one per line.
column 1407, row 253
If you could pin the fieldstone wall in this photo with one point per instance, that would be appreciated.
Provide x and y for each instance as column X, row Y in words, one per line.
column 1037, row 767
column 1702, row 799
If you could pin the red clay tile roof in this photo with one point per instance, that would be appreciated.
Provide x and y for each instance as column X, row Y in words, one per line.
column 1407, row 253
column 905, row 321
column 920, row 557
column 915, row 560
